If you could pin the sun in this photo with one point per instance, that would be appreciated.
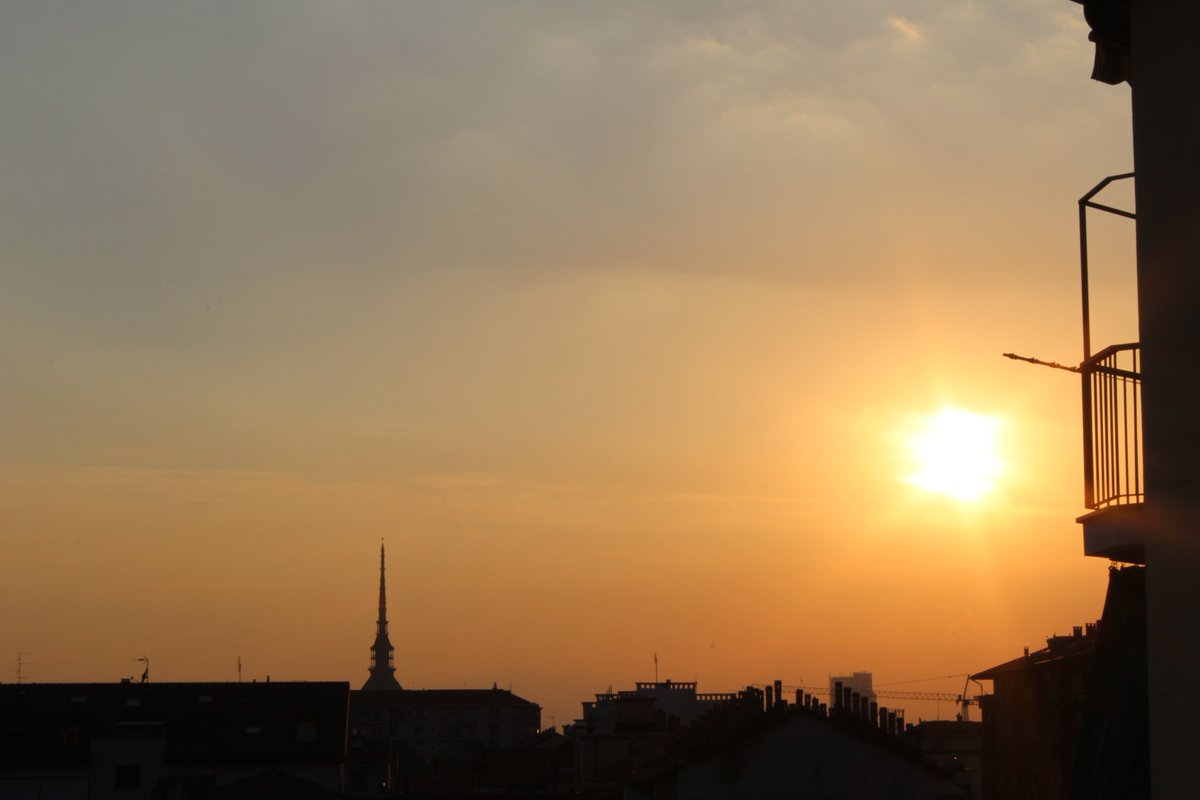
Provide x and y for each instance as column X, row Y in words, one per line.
column 954, row 452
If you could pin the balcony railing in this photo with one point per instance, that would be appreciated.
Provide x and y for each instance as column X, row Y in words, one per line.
column 1112, row 427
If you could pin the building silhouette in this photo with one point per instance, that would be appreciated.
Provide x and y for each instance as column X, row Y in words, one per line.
column 618, row 728
column 1142, row 429
column 169, row 741
column 1032, row 719
column 383, row 664
column 750, row 744
column 410, row 739
column 860, row 682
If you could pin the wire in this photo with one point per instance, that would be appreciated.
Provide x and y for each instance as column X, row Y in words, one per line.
column 924, row 680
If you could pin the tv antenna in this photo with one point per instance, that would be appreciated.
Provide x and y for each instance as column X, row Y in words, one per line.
column 21, row 664
column 1040, row 362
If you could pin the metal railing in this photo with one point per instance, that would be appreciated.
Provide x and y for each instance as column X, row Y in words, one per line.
column 1085, row 203
column 1112, row 427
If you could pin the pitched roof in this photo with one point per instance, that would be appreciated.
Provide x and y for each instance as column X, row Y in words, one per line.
column 1058, row 648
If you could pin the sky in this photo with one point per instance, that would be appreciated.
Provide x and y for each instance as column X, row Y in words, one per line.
column 612, row 319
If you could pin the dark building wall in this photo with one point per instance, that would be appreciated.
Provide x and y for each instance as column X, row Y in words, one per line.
column 1112, row 761
column 160, row 740
column 1165, row 79
column 1070, row 722
column 1031, row 723
column 395, row 736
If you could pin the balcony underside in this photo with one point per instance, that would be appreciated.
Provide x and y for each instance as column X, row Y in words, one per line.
column 1116, row 532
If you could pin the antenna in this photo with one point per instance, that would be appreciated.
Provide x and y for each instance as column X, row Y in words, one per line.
column 656, row 667
column 239, row 669
column 1039, row 362
column 21, row 663
column 146, row 671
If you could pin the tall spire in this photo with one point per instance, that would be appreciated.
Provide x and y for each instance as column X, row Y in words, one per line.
column 383, row 668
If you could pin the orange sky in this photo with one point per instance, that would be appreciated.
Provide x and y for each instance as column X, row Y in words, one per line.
column 608, row 319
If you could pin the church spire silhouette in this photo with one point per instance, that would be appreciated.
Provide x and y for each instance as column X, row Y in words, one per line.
column 383, row 668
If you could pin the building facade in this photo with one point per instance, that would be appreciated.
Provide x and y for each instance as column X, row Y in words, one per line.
column 166, row 741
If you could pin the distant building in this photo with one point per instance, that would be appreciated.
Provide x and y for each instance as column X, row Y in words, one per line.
column 856, row 682
column 397, row 734
column 618, row 726
column 955, row 746
column 668, row 741
column 167, row 741
column 383, row 666
column 752, row 750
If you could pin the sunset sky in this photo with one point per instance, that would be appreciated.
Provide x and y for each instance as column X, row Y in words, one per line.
column 614, row 319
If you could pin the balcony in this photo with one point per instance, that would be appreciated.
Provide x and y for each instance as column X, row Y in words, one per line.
column 1113, row 481
column 1113, row 484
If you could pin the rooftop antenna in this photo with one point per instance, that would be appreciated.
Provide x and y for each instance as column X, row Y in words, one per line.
column 239, row 669
column 146, row 671
column 1040, row 363
column 21, row 662
column 656, row 667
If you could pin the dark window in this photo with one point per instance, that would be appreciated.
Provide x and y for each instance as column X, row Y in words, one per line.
column 127, row 776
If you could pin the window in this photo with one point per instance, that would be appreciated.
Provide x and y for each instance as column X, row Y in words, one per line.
column 68, row 733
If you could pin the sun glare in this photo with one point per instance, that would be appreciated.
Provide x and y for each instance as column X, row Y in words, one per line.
column 954, row 452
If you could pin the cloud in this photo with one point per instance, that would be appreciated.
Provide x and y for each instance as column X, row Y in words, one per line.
column 905, row 28
column 192, row 194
